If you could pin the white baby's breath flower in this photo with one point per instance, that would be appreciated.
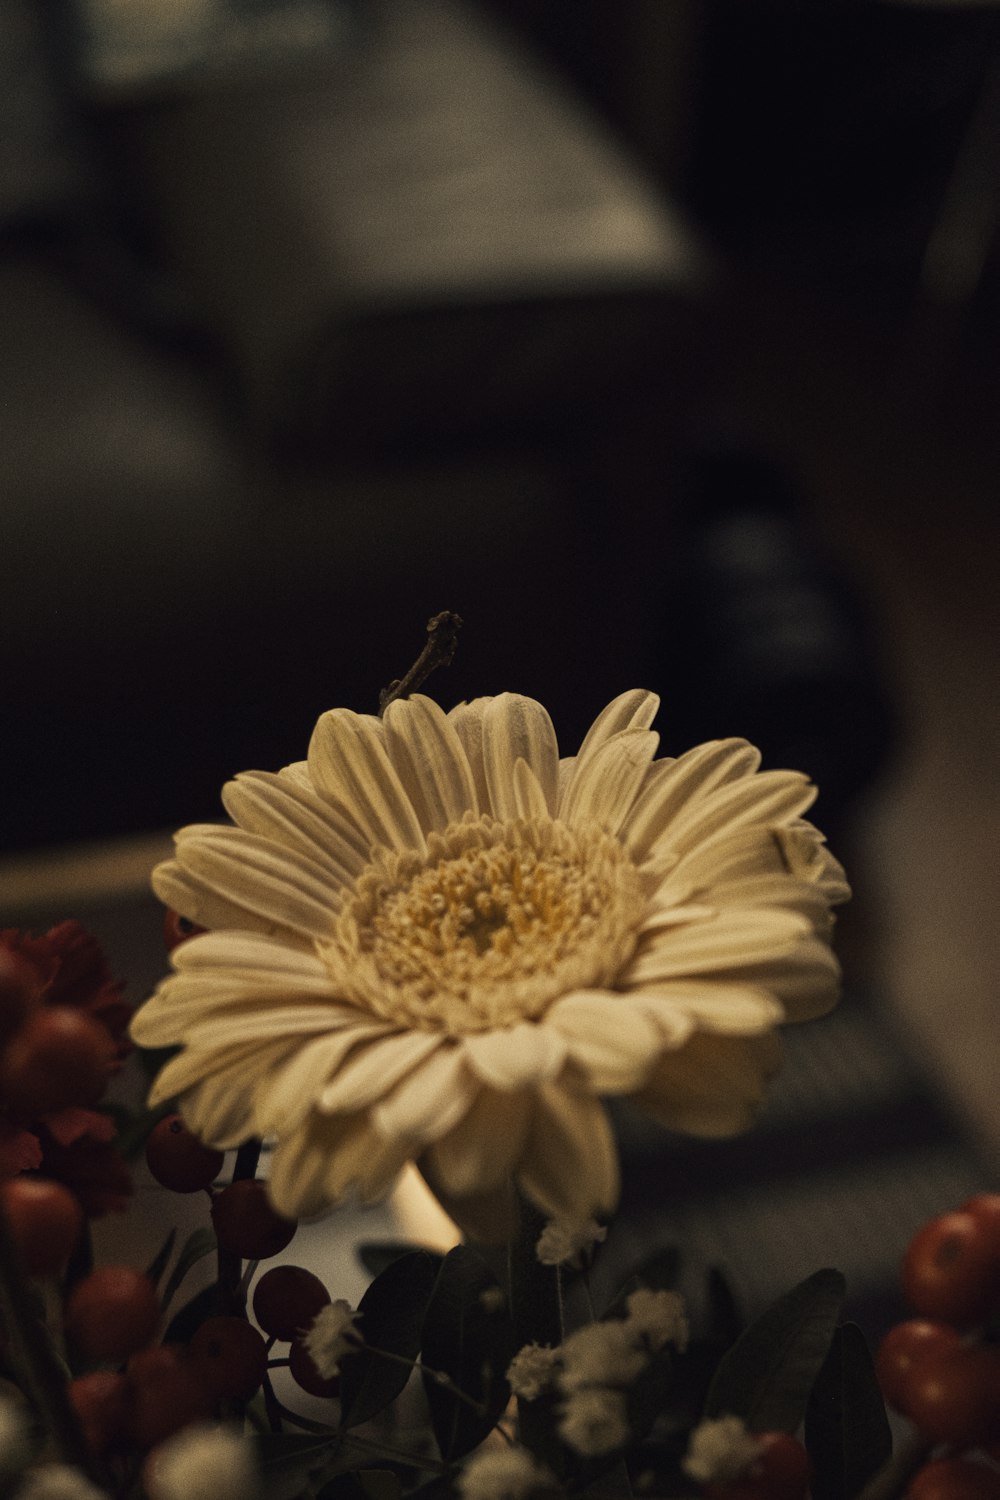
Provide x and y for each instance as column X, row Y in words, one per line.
column 533, row 1370
column 594, row 1421
column 58, row 1482
column 562, row 1243
column 600, row 1354
column 434, row 939
column 331, row 1335
column 203, row 1462
column 508, row 1473
column 15, row 1435
column 719, row 1451
column 656, row 1318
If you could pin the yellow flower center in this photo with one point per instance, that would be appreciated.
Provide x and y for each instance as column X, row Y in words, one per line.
column 495, row 922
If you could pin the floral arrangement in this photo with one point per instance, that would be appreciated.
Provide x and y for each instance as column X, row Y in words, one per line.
column 437, row 942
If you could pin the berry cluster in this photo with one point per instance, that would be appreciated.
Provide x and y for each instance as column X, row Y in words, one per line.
column 941, row 1369
column 780, row 1471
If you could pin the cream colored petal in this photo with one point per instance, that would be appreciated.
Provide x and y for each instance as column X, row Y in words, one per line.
column 569, row 1167
column 293, row 1089
column 750, row 852
column 612, row 1041
column 264, row 1022
column 605, row 783
column 268, row 958
column 634, row 709
column 467, row 721
column 298, row 772
column 517, row 1058
column 516, row 728
column 318, row 1164
column 375, row 1069
column 725, row 1009
column 713, row 1086
column 432, row 764
column 190, row 896
column 806, row 979
column 733, row 938
column 674, row 786
column 771, row 798
column 351, row 769
column 480, row 1154
column 276, row 808
column 220, row 1109
column 291, row 892
column 659, row 918
column 804, row 850
column 193, row 1065
column 774, row 891
column 529, row 799
column 429, row 1101
column 184, row 1011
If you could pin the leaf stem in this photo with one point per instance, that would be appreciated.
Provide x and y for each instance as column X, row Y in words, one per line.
column 439, row 651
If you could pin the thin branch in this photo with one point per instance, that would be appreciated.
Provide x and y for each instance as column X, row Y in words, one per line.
column 439, row 651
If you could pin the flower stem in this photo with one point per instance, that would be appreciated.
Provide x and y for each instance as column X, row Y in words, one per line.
column 439, row 651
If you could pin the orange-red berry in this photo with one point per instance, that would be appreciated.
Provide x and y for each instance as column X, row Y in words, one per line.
column 177, row 1158
column 954, row 1479
column 59, row 1057
column 165, row 1392
column 951, row 1270
column 246, row 1224
column 286, row 1300
column 44, row 1220
column 954, row 1397
column 903, row 1349
column 99, row 1402
column 230, row 1356
column 20, row 988
column 302, row 1368
column 111, row 1313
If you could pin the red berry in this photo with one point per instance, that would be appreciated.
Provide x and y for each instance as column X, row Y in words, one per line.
column 246, row 1224
column 44, row 1219
column 303, row 1371
column 178, row 1160
column 231, row 1357
column 99, row 1402
column 286, row 1300
column 954, row 1479
column 165, row 1392
column 951, row 1270
column 59, row 1057
column 954, row 1396
column 20, row 988
column 779, row 1472
column 112, row 1313
column 903, row 1349
column 177, row 929
column 985, row 1208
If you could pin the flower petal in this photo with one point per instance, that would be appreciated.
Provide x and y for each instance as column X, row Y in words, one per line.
column 275, row 807
column 178, row 889
column 735, row 938
column 480, row 1154
column 772, row 798
column 283, row 890
column 375, row 1069
column 634, row 709
column 294, row 1087
column 467, row 721
column 351, row 769
column 513, row 729
column 516, row 1058
column 529, row 798
column 569, row 1168
column 264, row 957
column 674, row 786
column 724, row 1009
column 611, row 1040
column 432, row 1099
column 713, row 1086
column 432, row 764
column 604, row 784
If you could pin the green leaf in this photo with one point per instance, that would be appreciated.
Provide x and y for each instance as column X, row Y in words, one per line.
column 185, row 1324
column 468, row 1337
column 377, row 1255
column 158, row 1264
column 197, row 1245
column 847, row 1430
column 392, row 1318
column 767, row 1375
column 724, row 1319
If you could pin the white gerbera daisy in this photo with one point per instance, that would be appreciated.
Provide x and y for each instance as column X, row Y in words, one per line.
column 434, row 940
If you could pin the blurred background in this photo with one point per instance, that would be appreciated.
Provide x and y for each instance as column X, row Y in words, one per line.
column 657, row 339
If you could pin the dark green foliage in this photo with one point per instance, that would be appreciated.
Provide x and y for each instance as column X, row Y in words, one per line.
column 847, row 1431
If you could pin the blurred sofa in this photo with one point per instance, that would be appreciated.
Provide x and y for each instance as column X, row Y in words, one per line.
column 293, row 357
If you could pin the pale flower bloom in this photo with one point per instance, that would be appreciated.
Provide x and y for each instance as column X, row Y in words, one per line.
column 594, row 1421
column 719, row 1451
column 656, row 1318
column 58, row 1482
column 562, row 1243
column 533, row 1370
column 434, row 940
column 203, row 1462
column 331, row 1335
column 600, row 1354
column 508, row 1473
